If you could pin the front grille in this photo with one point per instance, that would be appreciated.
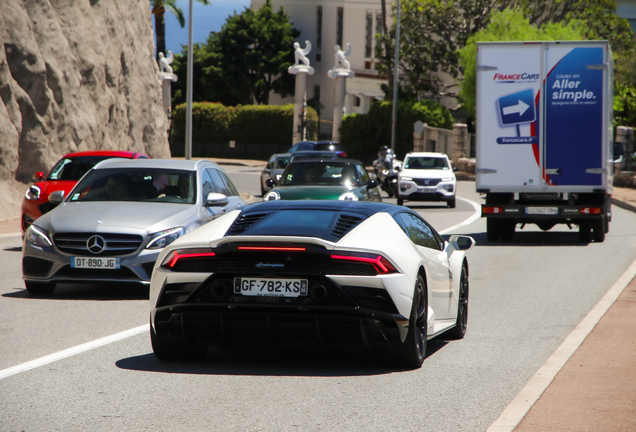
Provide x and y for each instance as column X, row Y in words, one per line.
column 244, row 221
column 115, row 244
column 32, row 266
column 426, row 182
column 121, row 273
column 296, row 266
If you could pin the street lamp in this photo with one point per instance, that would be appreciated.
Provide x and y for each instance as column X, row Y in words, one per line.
column 395, row 76
column 188, row 143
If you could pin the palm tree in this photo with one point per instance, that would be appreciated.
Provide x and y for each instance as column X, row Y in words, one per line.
column 158, row 10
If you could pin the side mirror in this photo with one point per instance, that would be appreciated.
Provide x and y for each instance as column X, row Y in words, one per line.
column 455, row 169
column 270, row 183
column 619, row 151
column 38, row 176
column 373, row 183
column 462, row 243
column 56, row 197
column 216, row 200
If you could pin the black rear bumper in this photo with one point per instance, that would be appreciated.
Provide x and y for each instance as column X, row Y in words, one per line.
column 234, row 325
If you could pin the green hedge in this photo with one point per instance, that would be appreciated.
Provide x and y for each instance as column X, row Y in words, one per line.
column 362, row 135
column 216, row 123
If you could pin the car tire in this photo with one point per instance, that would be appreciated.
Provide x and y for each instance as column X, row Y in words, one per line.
column 263, row 191
column 168, row 348
column 585, row 232
column 598, row 230
column 461, row 323
column 410, row 354
column 451, row 203
column 493, row 229
column 40, row 288
column 400, row 201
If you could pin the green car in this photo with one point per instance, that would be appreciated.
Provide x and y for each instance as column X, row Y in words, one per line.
column 343, row 179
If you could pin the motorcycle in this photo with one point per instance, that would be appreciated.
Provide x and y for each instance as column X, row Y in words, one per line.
column 387, row 175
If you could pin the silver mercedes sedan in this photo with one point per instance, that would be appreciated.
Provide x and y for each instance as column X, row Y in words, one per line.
column 114, row 223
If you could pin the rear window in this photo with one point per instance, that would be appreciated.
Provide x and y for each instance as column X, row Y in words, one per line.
column 325, row 224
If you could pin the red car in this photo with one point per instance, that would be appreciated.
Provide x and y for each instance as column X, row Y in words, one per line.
column 63, row 176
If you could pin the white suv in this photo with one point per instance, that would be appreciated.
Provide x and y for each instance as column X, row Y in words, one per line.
column 427, row 177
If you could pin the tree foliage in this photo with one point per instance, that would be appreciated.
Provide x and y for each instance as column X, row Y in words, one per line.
column 432, row 32
column 508, row 25
column 242, row 62
column 159, row 8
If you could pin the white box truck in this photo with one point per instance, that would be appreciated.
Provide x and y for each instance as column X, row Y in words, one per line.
column 544, row 147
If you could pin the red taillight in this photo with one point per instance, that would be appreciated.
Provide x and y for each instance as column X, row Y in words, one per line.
column 590, row 210
column 272, row 248
column 342, row 154
column 492, row 210
column 173, row 257
column 381, row 264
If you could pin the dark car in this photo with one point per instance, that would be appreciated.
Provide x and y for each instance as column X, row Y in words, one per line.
column 331, row 146
column 273, row 170
column 329, row 179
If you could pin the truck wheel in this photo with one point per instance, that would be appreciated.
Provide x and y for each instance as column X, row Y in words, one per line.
column 585, row 232
column 493, row 229
column 598, row 230
column 508, row 230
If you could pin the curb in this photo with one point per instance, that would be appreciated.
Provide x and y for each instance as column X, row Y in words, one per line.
column 623, row 205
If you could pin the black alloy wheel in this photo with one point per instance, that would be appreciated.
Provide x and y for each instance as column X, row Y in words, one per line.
column 167, row 348
column 461, row 324
column 40, row 288
column 411, row 353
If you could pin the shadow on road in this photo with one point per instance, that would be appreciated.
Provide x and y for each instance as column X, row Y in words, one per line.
column 103, row 292
column 274, row 361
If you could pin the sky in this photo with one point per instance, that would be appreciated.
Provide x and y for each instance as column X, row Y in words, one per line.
column 205, row 20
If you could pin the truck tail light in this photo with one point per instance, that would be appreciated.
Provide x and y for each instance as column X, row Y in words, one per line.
column 492, row 210
column 590, row 210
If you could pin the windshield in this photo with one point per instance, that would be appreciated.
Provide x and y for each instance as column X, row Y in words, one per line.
column 426, row 162
column 281, row 162
column 320, row 173
column 73, row 168
column 137, row 184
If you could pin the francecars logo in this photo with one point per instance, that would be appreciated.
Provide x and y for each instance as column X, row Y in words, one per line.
column 514, row 77
column 96, row 244
column 270, row 265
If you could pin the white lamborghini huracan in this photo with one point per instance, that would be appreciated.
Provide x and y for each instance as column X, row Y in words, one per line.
column 330, row 273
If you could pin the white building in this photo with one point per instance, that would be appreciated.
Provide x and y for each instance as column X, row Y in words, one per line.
column 325, row 23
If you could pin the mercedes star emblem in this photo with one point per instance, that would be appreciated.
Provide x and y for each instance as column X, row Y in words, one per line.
column 96, row 244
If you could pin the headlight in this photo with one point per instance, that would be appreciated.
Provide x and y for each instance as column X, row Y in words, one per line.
column 271, row 196
column 348, row 196
column 448, row 179
column 406, row 178
column 38, row 236
column 161, row 239
column 278, row 177
column 33, row 193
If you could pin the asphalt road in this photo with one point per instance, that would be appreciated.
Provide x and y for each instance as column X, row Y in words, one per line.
column 526, row 297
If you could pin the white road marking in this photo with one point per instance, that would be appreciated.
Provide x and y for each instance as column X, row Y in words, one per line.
column 42, row 361
column 146, row 328
column 520, row 405
column 468, row 221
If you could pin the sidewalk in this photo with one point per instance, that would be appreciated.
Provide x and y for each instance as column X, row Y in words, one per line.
column 595, row 390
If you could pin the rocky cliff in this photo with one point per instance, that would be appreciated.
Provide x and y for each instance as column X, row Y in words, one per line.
column 74, row 75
